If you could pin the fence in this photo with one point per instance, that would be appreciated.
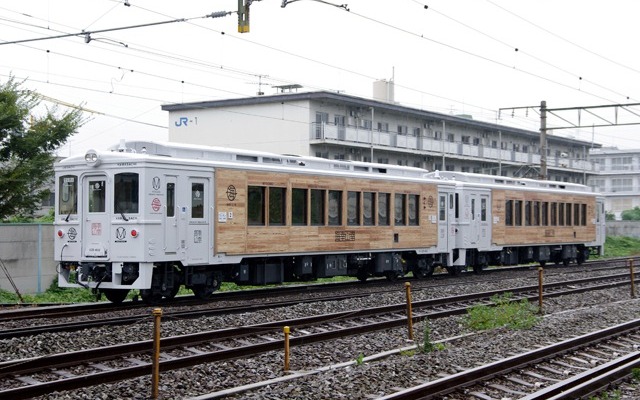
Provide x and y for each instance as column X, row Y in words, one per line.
column 27, row 252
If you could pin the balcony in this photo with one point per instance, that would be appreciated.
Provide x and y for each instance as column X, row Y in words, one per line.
column 323, row 133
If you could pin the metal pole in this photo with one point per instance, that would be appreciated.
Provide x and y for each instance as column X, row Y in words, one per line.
column 407, row 286
column 157, row 313
column 633, row 283
column 286, row 331
column 371, row 134
column 500, row 153
column 540, row 280
column 443, row 135
column 543, row 140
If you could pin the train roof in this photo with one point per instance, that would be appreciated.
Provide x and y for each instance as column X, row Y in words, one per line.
column 224, row 156
column 503, row 181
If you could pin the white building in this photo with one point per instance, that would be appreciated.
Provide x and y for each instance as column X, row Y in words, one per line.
column 339, row 126
column 618, row 178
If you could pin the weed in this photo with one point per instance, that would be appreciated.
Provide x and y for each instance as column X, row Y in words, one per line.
column 506, row 313
column 360, row 359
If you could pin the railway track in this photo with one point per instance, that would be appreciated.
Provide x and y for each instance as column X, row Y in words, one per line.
column 565, row 370
column 65, row 371
column 616, row 279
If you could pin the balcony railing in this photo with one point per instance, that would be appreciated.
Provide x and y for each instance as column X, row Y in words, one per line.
column 363, row 136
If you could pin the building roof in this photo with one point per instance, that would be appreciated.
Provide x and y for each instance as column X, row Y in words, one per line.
column 366, row 103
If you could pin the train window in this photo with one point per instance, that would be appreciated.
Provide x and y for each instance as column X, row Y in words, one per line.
column 368, row 208
column 568, row 219
column 554, row 214
column 583, row 214
column 473, row 209
column 414, row 210
column 576, row 214
column 561, row 214
column 399, row 209
column 197, row 200
column 442, row 208
column 335, row 207
column 299, row 206
column 317, row 206
column 527, row 213
column 545, row 213
column 353, row 208
column 383, row 208
column 97, row 195
column 483, row 210
column 255, row 205
column 508, row 213
column 68, row 195
column 456, row 205
column 451, row 201
column 171, row 199
column 125, row 193
column 277, row 205
column 536, row 213
column 517, row 212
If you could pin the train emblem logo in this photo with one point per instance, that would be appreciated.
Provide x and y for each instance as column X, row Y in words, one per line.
column 121, row 233
column 72, row 233
column 231, row 193
column 155, row 204
column 155, row 183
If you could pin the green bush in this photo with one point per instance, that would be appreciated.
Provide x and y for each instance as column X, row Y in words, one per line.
column 621, row 246
column 506, row 313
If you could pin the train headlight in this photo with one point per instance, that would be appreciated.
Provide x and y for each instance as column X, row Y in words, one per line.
column 92, row 158
column 60, row 233
column 134, row 233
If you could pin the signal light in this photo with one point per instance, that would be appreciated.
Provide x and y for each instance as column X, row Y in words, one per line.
column 60, row 233
column 134, row 233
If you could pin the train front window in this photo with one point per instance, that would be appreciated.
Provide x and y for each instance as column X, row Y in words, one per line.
column 68, row 192
column 97, row 195
column 126, row 193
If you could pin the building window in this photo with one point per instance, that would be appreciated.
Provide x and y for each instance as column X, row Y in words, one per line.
column 450, row 137
column 417, row 132
column 383, row 126
column 403, row 129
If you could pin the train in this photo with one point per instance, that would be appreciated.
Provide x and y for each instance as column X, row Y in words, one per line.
column 156, row 216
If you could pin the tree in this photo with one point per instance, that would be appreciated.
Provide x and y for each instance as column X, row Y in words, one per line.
column 27, row 144
column 631, row 215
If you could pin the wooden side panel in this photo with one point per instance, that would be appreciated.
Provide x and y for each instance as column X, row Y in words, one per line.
column 230, row 217
column 234, row 237
column 523, row 235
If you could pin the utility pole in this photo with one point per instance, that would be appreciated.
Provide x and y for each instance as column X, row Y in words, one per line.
column 543, row 140
column 569, row 124
column 243, row 15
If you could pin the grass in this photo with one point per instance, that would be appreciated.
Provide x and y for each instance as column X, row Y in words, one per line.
column 621, row 246
column 505, row 313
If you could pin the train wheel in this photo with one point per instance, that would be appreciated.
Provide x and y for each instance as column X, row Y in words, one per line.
column 542, row 263
column 391, row 276
column 423, row 269
column 150, row 296
column 456, row 270
column 174, row 291
column 203, row 292
column 362, row 275
column 115, row 295
column 566, row 261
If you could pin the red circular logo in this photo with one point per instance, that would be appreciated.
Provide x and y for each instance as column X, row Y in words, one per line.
column 155, row 204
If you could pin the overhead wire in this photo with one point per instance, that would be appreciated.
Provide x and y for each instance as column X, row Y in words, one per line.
column 370, row 77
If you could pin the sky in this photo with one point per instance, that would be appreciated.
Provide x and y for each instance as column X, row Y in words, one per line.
column 495, row 60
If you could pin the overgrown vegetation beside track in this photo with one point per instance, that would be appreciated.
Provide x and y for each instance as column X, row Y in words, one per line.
column 615, row 246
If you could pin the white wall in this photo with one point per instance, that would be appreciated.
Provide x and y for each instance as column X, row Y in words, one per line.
column 278, row 128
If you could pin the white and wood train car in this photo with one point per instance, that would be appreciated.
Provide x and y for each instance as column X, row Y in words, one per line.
column 154, row 216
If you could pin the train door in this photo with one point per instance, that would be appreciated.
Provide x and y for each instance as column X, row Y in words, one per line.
column 483, row 219
column 96, row 219
column 171, row 244
column 195, row 220
column 474, row 219
column 446, row 215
